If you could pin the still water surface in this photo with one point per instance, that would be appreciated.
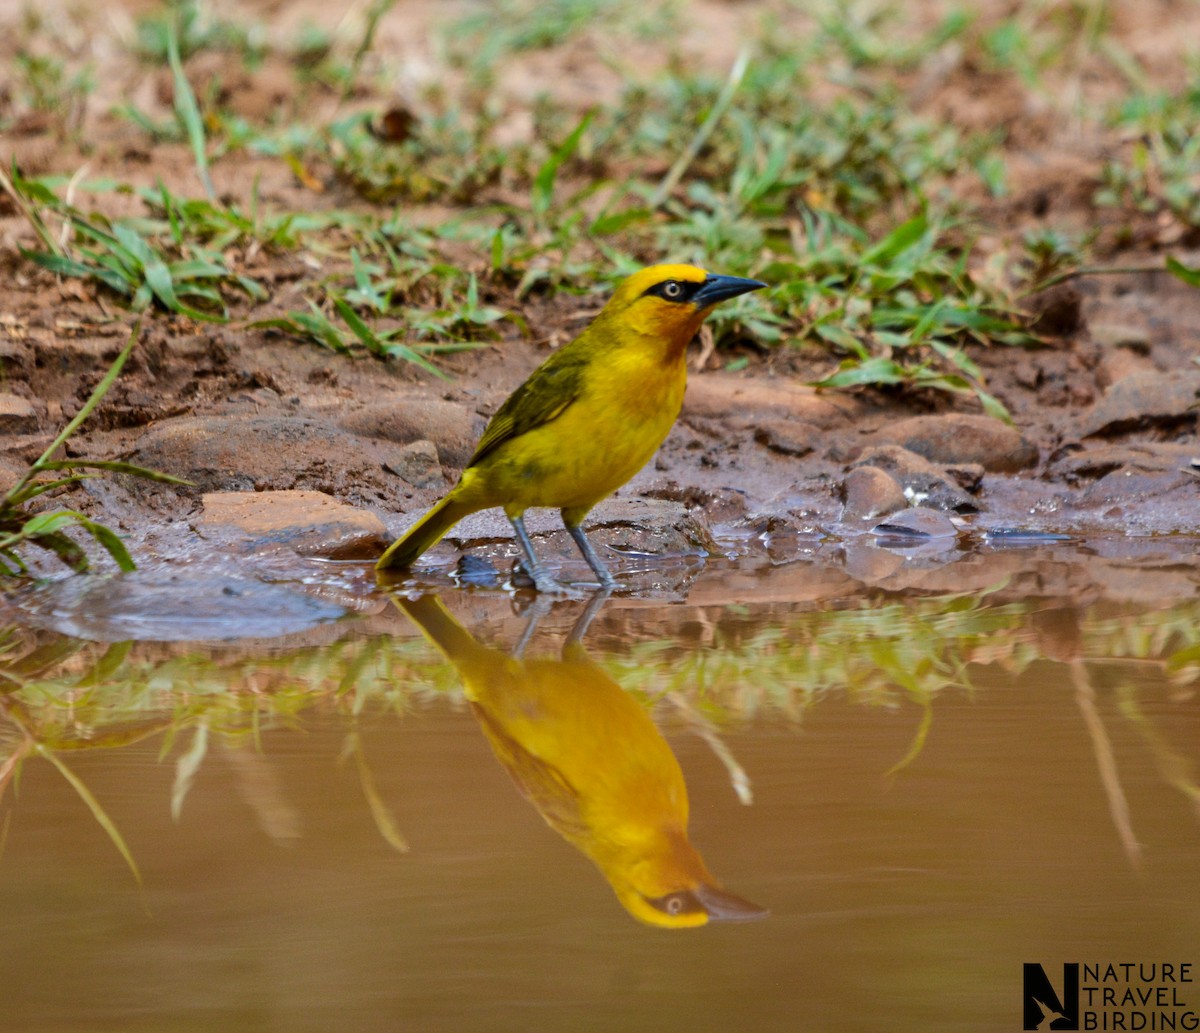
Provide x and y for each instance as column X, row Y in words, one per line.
column 925, row 788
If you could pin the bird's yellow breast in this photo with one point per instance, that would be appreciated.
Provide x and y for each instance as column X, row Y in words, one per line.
column 626, row 406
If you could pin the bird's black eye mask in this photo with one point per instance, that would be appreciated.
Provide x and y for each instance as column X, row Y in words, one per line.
column 675, row 290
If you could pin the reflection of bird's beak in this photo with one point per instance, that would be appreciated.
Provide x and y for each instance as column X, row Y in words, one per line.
column 723, row 906
column 719, row 288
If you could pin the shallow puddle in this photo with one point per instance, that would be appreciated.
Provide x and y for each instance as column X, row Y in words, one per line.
column 929, row 774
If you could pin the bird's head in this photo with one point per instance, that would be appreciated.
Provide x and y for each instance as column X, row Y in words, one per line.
column 670, row 887
column 669, row 302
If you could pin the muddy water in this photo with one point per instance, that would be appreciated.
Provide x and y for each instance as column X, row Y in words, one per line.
column 926, row 788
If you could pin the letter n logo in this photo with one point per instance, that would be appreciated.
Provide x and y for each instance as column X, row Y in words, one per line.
column 1044, row 1009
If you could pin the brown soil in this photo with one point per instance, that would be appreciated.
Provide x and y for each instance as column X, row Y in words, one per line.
column 1105, row 409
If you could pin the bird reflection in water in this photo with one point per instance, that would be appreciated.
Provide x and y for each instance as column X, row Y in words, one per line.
column 585, row 753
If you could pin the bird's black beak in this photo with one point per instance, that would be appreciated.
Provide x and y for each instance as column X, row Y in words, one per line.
column 721, row 905
column 717, row 288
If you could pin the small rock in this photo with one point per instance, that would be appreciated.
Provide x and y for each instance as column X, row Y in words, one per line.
column 475, row 570
column 17, row 415
column 962, row 438
column 172, row 605
column 917, row 522
column 650, row 526
column 871, row 493
column 308, row 522
column 454, row 429
column 722, row 396
column 1161, row 457
column 1119, row 335
column 418, row 464
column 719, row 504
column 1117, row 364
column 1057, row 311
column 923, row 483
column 968, row 476
column 269, row 452
column 788, row 437
column 1146, row 397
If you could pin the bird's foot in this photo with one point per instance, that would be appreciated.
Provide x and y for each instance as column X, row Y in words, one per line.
column 542, row 581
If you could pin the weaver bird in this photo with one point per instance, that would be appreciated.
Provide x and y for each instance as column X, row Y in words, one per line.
column 587, row 419
column 587, row 756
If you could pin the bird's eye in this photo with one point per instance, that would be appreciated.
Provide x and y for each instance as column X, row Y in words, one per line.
column 672, row 289
column 674, row 904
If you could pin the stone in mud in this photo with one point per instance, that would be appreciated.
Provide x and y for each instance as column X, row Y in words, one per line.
column 871, row 493
column 172, row 605
column 453, row 428
column 652, row 526
column 17, row 415
column 417, row 463
column 962, row 438
column 787, row 437
column 309, row 522
column 1144, row 398
column 720, row 396
column 918, row 523
column 276, row 452
column 1121, row 335
column 923, row 483
column 1057, row 311
column 719, row 504
column 1144, row 457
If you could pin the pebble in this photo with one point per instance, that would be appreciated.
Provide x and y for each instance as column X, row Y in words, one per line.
column 1147, row 396
column 417, row 463
column 788, row 437
column 310, row 523
column 869, row 493
column 922, row 481
column 960, row 438
column 452, row 428
column 17, row 415
column 917, row 522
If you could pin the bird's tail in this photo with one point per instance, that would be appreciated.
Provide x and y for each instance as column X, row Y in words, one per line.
column 435, row 621
column 425, row 533
column 477, row 664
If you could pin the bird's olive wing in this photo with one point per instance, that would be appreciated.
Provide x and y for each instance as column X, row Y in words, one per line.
column 540, row 782
column 549, row 390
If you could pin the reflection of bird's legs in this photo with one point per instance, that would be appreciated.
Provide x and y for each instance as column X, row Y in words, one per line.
column 539, row 608
column 589, row 554
column 543, row 581
column 595, row 604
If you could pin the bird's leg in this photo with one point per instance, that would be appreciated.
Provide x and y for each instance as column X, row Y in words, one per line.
column 575, row 526
column 543, row 581
column 541, row 606
column 595, row 604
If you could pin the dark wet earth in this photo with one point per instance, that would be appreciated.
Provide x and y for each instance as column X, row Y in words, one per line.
column 933, row 763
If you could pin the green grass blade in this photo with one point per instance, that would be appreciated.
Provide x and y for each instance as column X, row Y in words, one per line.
column 385, row 821
column 115, row 466
column 737, row 73
column 112, row 543
column 93, row 400
column 903, row 238
column 189, row 113
column 1187, row 274
column 68, row 552
column 543, row 182
column 98, row 812
column 33, row 490
column 186, row 768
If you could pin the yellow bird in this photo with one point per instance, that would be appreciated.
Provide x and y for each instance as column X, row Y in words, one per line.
column 587, row 756
column 587, row 419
